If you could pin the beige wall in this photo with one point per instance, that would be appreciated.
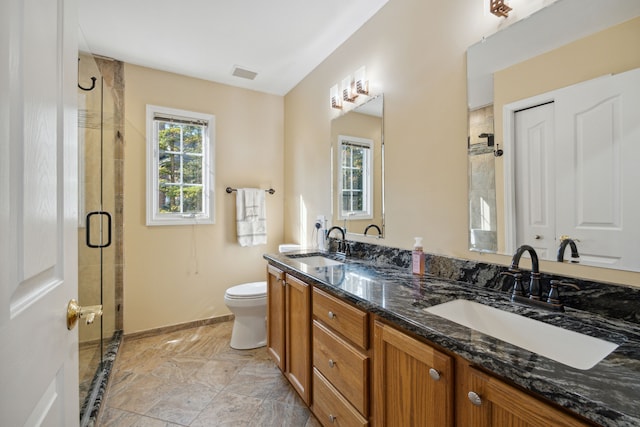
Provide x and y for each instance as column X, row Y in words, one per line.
column 176, row 274
column 414, row 52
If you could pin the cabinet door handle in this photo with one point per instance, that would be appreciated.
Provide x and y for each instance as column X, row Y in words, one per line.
column 474, row 398
column 332, row 315
column 331, row 363
column 332, row 418
column 435, row 375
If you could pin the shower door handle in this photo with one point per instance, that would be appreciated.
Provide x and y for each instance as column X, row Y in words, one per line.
column 88, row 232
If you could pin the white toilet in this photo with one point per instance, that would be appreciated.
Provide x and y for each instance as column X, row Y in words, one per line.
column 248, row 303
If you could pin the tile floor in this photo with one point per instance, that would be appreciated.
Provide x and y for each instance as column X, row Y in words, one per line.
column 193, row 378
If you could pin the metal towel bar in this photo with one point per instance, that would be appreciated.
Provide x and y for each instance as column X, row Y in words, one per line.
column 231, row 190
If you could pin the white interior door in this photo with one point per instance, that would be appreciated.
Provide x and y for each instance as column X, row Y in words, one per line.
column 598, row 181
column 534, row 146
column 38, row 225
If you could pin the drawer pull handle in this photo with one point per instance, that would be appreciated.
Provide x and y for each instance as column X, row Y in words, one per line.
column 332, row 315
column 474, row 398
column 435, row 375
column 331, row 363
column 332, row 418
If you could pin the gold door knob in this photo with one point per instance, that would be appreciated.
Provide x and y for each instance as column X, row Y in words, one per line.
column 75, row 312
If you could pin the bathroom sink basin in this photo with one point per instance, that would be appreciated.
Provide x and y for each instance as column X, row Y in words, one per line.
column 562, row 345
column 318, row 261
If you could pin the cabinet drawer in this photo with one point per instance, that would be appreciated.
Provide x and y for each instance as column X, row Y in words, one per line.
column 330, row 408
column 343, row 318
column 344, row 366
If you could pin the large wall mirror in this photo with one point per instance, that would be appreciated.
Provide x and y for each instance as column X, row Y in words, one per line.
column 357, row 169
column 554, row 135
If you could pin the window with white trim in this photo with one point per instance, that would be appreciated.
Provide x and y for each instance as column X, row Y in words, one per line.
column 355, row 177
column 180, row 167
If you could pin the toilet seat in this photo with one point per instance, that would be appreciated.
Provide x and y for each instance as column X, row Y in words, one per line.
column 251, row 290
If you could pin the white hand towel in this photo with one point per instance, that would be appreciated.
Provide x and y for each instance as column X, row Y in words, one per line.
column 251, row 217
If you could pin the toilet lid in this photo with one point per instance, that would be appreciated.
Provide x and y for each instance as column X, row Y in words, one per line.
column 248, row 290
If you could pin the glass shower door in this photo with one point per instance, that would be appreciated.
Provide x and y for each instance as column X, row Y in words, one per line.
column 96, row 246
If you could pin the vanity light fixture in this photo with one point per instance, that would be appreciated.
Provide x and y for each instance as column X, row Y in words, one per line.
column 335, row 98
column 498, row 8
column 361, row 82
column 351, row 88
column 348, row 94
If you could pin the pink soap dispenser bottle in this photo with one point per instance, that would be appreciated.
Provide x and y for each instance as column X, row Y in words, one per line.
column 417, row 257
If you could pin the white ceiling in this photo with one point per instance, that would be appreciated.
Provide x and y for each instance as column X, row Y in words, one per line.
column 281, row 40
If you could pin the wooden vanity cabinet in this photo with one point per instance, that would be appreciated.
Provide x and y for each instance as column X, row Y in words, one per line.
column 289, row 328
column 407, row 391
column 298, row 336
column 276, row 315
column 401, row 381
column 413, row 383
column 340, row 362
column 483, row 400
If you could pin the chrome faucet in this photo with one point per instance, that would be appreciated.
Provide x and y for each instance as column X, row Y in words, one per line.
column 564, row 241
column 343, row 249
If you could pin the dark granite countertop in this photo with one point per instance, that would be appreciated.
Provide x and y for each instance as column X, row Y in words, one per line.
column 608, row 393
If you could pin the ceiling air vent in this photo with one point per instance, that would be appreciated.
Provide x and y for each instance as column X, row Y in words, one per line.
column 244, row 73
